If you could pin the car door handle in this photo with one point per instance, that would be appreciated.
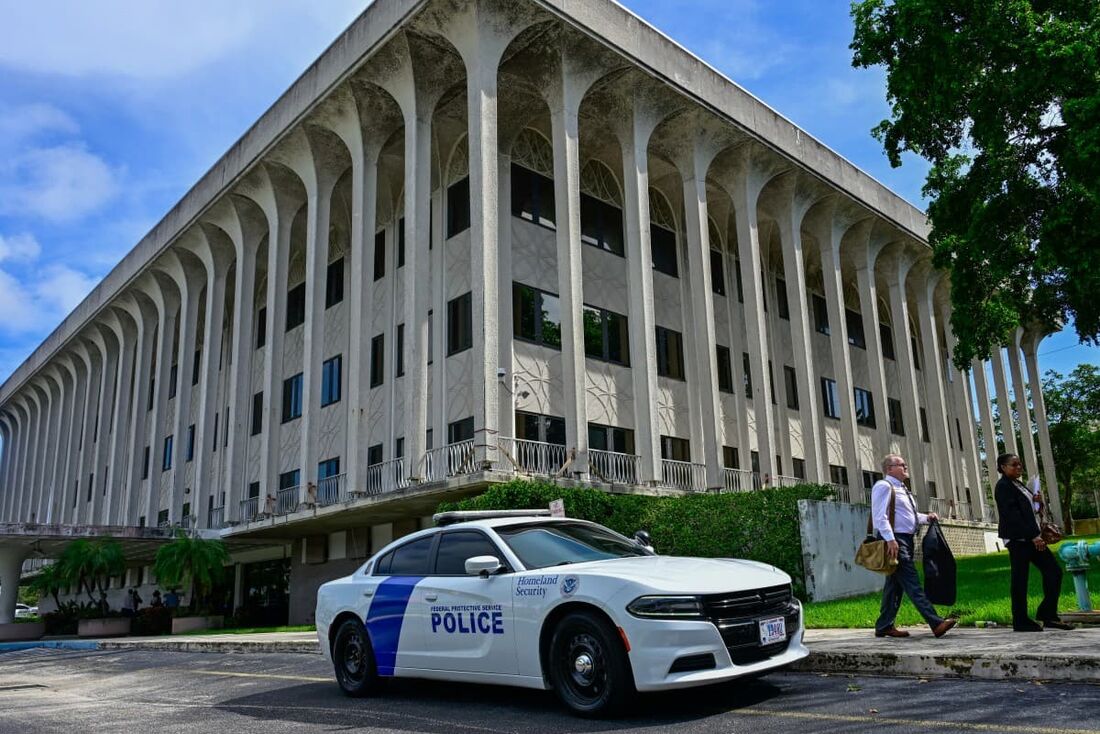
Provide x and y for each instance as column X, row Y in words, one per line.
column 368, row 592
column 431, row 597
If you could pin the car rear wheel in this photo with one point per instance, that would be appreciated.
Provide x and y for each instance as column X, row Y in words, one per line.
column 353, row 659
column 588, row 667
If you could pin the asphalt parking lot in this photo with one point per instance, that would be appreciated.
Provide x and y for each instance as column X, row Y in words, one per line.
column 143, row 691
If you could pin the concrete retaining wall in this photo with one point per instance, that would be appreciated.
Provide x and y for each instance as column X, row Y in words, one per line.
column 831, row 532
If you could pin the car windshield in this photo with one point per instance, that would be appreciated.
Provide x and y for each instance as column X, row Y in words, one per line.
column 556, row 544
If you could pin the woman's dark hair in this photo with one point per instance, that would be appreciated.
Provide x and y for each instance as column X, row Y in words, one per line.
column 1003, row 459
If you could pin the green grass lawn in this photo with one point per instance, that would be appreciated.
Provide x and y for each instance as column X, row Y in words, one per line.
column 982, row 595
column 253, row 630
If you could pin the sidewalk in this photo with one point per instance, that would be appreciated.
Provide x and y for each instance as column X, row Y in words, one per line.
column 990, row 654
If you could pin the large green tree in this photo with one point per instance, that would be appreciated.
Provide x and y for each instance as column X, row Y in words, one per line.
column 194, row 562
column 1002, row 97
column 1073, row 411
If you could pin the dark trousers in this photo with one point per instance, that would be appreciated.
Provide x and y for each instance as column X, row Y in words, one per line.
column 1021, row 554
column 904, row 579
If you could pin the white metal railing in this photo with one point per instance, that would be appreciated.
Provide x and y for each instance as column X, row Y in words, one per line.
column 684, row 475
column 215, row 517
column 740, row 480
column 331, row 490
column 781, row 480
column 534, row 457
column 851, row 495
column 964, row 511
column 185, row 522
column 286, row 501
column 250, row 508
column 384, row 477
column 449, row 461
column 941, row 506
column 165, row 524
column 989, row 514
column 613, row 467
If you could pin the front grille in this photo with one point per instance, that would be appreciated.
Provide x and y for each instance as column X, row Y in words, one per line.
column 737, row 616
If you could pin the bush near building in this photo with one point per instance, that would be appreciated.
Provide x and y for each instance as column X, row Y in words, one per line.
column 760, row 525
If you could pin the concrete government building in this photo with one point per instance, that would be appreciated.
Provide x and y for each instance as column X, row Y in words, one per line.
column 484, row 239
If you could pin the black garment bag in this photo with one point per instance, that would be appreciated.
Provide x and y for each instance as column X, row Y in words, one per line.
column 939, row 567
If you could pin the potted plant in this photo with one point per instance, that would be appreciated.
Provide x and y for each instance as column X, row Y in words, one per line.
column 86, row 565
column 197, row 564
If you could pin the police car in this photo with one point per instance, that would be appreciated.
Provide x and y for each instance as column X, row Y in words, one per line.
column 523, row 599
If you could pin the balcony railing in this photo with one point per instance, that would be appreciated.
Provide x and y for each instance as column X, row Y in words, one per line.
column 941, row 506
column 185, row 522
column 741, row 480
column 989, row 514
column 613, row 467
column 286, row 501
column 449, row 461
column 533, row 457
column 331, row 490
column 215, row 517
column 387, row 476
column 964, row 511
column 249, row 509
column 684, row 475
column 853, row 496
column 781, row 480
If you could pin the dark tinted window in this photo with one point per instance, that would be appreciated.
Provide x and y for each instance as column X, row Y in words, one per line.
column 561, row 543
column 662, row 244
column 411, row 559
column 455, row 548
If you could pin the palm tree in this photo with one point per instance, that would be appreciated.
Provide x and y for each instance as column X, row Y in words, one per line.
column 47, row 582
column 194, row 562
column 87, row 563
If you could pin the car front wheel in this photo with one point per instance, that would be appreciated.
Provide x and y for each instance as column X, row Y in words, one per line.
column 353, row 658
column 588, row 667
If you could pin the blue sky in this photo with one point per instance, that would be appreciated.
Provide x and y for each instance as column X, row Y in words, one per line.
column 109, row 112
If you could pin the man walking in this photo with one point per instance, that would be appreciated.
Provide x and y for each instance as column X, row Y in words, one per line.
column 895, row 517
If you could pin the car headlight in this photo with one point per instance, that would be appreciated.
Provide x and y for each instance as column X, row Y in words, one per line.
column 667, row 607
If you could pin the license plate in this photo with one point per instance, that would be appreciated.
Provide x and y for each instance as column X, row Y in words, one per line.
column 772, row 630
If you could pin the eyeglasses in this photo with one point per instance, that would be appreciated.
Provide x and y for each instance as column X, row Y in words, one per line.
column 903, row 465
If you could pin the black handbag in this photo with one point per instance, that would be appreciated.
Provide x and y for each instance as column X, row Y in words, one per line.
column 939, row 567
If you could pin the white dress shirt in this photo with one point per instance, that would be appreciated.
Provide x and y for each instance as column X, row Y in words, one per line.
column 906, row 517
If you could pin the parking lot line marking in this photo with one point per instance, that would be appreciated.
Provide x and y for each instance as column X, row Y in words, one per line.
column 912, row 723
column 270, row 676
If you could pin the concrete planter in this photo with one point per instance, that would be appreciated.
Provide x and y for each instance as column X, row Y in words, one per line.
column 22, row 631
column 193, row 624
column 106, row 627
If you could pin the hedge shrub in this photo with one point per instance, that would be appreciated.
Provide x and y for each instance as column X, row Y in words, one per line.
column 760, row 526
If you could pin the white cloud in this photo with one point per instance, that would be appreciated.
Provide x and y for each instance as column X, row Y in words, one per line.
column 20, row 247
column 60, row 288
column 59, row 183
column 29, row 121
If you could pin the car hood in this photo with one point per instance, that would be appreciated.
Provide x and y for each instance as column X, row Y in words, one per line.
column 682, row 575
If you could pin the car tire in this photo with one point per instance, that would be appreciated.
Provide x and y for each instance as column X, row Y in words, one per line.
column 353, row 659
column 588, row 665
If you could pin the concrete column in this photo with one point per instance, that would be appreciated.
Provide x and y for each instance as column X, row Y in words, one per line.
column 735, row 316
column 565, row 128
column 868, row 307
column 505, row 341
column 167, row 304
column 92, row 372
column 746, row 184
column 190, row 280
column 481, row 96
column 1023, row 412
column 109, row 355
column 829, row 229
column 216, row 261
column 7, row 433
column 145, row 320
column 705, row 373
column 1004, row 406
column 49, row 493
column 907, row 373
column 42, row 457
column 243, row 225
column 943, row 456
column 120, row 420
column 1053, row 497
column 75, row 422
column 19, row 450
column 968, row 471
column 36, row 455
column 985, row 410
column 11, row 568
column 634, row 137
column 418, row 152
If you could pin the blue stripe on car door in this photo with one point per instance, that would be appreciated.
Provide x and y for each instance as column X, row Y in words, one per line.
column 387, row 612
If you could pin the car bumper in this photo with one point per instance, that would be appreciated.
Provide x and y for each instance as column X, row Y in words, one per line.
column 660, row 649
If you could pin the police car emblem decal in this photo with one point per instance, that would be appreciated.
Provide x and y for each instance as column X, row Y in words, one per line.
column 569, row 585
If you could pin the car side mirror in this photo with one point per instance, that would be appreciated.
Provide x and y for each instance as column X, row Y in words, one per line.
column 484, row 566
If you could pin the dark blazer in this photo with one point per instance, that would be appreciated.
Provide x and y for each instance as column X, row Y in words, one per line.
column 1017, row 516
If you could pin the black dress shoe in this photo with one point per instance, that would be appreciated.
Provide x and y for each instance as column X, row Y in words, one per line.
column 1057, row 624
column 945, row 626
column 891, row 632
column 1027, row 626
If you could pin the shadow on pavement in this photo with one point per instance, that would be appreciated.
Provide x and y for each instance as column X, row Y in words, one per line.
column 439, row 707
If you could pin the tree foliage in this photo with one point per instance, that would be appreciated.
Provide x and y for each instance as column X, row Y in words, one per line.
column 87, row 564
column 48, row 582
column 193, row 562
column 1073, row 412
column 1002, row 97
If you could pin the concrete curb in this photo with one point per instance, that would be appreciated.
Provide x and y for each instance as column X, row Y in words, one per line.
column 1082, row 669
column 222, row 646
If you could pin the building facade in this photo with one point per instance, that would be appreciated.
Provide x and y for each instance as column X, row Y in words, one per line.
column 488, row 238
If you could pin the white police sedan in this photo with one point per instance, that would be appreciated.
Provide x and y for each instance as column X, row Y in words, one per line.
column 522, row 599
